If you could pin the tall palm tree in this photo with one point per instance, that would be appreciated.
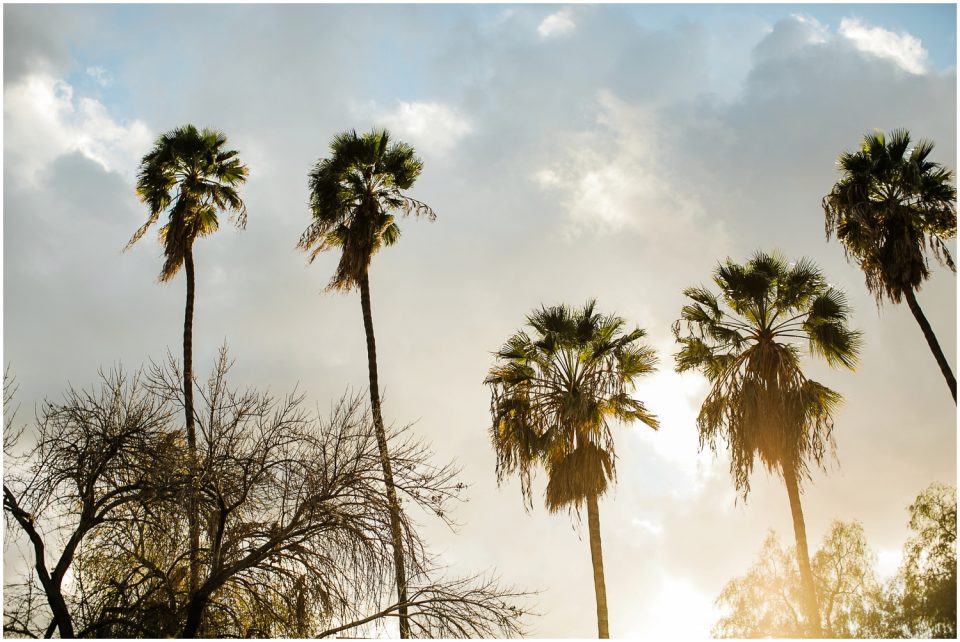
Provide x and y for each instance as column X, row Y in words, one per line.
column 552, row 397
column 191, row 175
column 890, row 206
column 354, row 195
column 745, row 342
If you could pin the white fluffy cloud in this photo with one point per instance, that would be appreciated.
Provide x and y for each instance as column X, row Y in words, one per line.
column 432, row 127
column 44, row 119
column 613, row 176
column 816, row 31
column 904, row 49
column 556, row 24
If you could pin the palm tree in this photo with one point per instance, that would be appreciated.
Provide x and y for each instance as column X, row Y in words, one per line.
column 191, row 175
column 354, row 195
column 552, row 396
column 890, row 206
column 745, row 342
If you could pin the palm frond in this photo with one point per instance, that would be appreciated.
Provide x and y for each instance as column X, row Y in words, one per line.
column 353, row 195
column 889, row 205
column 760, row 404
column 190, row 175
column 554, row 392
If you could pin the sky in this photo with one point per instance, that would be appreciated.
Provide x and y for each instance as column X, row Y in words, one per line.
column 570, row 151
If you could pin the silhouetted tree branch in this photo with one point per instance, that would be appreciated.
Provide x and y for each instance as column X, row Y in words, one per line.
column 295, row 530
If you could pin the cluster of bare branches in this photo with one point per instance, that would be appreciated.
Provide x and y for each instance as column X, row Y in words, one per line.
column 295, row 535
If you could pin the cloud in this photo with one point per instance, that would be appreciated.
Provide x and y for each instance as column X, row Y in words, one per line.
column 100, row 75
column 790, row 35
column 904, row 49
column 44, row 120
column 432, row 127
column 615, row 175
column 556, row 24
column 33, row 39
column 798, row 32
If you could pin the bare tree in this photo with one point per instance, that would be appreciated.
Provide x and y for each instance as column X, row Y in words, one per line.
column 295, row 536
column 93, row 454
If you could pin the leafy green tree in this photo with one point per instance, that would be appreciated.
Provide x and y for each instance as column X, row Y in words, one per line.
column 354, row 196
column 767, row 600
column 922, row 601
column 552, row 397
column 190, row 175
column 760, row 402
column 919, row 601
column 890, row 206
column 846, row 580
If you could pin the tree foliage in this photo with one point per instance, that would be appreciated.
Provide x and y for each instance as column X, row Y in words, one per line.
column 766, row 601
column 191, row 175
column 919, row 601
column 354, row 195
column 922, row 598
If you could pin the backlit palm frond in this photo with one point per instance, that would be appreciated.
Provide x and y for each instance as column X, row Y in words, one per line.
column 826, row 327
column 554, row 392
column 746, row 343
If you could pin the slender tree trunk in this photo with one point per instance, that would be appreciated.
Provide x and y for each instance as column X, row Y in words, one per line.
column 61, row 614
column 808, row 591
column 596, row 556
column 195, row 609
column 193, row 508
column 395, row 531
column 52, row 584
column 932, row 342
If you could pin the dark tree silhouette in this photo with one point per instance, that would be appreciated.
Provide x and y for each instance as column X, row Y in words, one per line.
column 890, row 206
column 300, row 542
column 354, row 195
column 190, row 175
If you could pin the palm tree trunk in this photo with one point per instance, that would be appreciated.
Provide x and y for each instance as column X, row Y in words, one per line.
column 932, row 342
column 596, row 556
column 193, row 508
column 808, row 591
column 395, row 532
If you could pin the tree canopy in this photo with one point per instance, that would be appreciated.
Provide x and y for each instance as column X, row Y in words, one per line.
column 920, row 600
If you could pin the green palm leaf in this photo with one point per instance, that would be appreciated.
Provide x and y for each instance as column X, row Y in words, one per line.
column 354, row 194
column 191, row 176
column 554, row 392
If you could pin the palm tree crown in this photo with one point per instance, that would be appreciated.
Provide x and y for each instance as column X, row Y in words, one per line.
column 353, row 195
column 189, row 172
column 744, row 341
column 760, row 402
column 552, row 396
column 891, row 204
